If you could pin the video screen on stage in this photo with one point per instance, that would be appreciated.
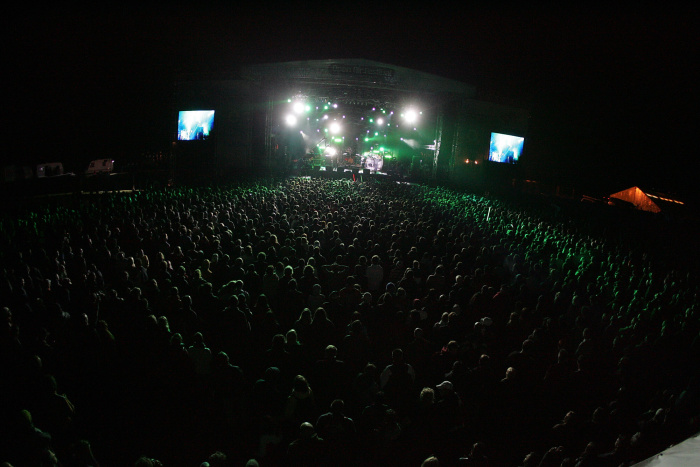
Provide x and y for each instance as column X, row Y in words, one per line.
column 194, row 125
column 505, row 148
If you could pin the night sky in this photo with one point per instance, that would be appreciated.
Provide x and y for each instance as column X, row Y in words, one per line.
column 611, row 91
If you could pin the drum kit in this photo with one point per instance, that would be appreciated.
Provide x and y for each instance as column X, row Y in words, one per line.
column 351, row 160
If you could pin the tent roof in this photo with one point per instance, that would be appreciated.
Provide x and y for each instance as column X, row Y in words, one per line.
column 638, row 198
column 680, row 455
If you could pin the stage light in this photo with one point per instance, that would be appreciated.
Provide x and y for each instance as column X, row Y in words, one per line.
column 380, row 121
column 291, row 120
column 331, row 152
column 334, row 128
column 410, row 115
column 298, row 107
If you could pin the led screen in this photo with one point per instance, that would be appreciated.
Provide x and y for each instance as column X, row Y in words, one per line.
column 194, row 125
column 505, row 148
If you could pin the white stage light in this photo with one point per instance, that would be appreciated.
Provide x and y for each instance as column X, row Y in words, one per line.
column 334, row 128
column 298, row 107
column 411, row 116
column 291, row 120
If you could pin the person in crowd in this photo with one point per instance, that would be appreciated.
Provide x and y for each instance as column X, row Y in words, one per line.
column 397, row 380
column 308, row 449
column 374, row 275
column 340, row 434
column 301, row 403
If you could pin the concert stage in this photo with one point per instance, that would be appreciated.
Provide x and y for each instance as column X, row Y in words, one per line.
column 344, row 114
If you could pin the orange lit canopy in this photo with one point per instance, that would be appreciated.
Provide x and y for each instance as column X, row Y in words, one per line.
column 644, row 201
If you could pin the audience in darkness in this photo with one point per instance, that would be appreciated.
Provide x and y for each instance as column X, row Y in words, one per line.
column 304, row 321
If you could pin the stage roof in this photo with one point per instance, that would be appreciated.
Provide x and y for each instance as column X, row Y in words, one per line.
column 354, row 81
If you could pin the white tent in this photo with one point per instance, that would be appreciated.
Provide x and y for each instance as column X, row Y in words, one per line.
column 683, row 454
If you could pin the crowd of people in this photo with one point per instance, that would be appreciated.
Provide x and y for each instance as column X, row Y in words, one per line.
column 304, row 321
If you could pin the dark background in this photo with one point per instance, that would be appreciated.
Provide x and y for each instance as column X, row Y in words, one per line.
column 611, row 91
